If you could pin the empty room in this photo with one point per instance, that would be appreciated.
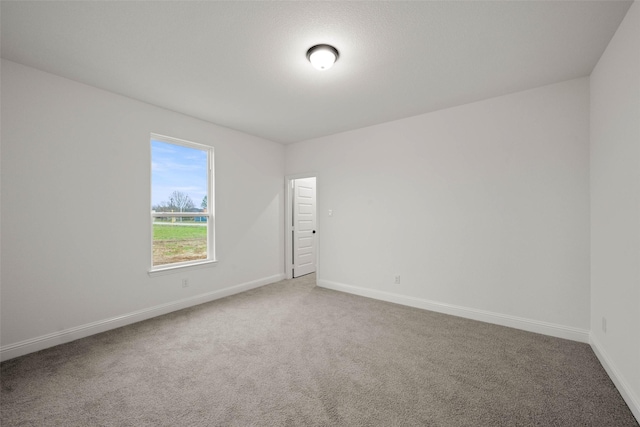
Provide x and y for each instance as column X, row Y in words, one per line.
column 234, row 213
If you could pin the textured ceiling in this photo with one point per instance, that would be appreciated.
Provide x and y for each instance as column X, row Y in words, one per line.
column 243, row 65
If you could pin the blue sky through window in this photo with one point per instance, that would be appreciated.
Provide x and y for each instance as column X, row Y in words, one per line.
column 177, row 168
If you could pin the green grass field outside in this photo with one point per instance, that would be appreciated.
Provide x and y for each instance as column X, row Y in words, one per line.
column 177, row 243
column 178, row 232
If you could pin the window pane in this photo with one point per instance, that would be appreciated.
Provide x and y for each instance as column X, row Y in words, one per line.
column 178, row 178
column 179, row 183
column 179, row 239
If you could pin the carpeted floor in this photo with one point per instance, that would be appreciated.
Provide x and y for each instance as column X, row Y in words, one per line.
column 291, row 354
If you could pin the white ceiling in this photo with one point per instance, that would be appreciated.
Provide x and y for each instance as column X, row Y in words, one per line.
column 243, row 65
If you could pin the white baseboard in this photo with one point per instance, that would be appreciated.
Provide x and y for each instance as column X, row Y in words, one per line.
column 49, row 340
column 554, row 330
column 625, row 390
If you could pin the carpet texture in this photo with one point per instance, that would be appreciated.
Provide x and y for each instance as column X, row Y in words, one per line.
column 293, row 354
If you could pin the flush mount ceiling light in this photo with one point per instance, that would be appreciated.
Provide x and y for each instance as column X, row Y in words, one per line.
column 322, row 56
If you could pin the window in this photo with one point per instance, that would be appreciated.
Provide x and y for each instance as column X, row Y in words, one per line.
column 182, row 211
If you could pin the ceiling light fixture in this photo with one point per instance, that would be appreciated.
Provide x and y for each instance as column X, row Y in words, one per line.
column 322, row 56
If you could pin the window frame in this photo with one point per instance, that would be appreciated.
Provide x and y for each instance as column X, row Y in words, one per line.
column 209, row 214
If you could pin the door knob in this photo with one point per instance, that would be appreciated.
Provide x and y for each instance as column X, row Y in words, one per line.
column 314, row 231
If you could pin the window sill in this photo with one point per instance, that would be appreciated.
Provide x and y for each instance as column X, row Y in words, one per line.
column 161, row 271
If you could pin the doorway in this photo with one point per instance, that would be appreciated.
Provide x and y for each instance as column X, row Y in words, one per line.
column 301, row 238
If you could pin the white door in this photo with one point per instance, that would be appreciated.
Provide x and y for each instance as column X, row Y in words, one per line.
column 304, row 226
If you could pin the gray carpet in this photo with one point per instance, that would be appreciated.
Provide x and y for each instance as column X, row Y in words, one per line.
column 293, row 354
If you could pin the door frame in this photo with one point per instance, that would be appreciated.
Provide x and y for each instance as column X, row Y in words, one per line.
column 288, row 222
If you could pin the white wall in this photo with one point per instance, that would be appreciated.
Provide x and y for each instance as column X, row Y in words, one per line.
column 75, row 210
column 615, row 207
column 482, row 209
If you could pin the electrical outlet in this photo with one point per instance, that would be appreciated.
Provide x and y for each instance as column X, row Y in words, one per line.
column 397, row 282
column 604, row 325
column 185, row 283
